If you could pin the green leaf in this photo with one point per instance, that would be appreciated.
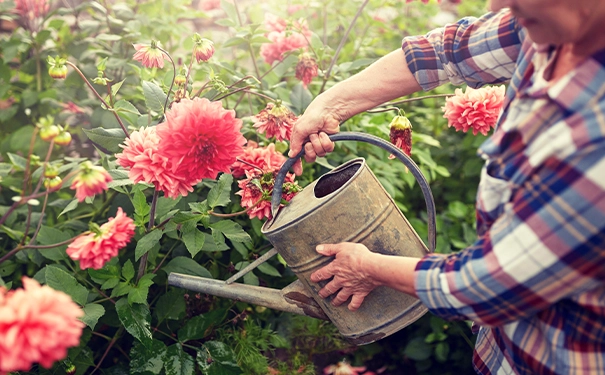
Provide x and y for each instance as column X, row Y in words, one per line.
column 268, row 269
column 147, row 242
column 154, row 97
column 116, row 87
column 216, row 358
column 128, row 270
column 186, row 266
column 109, row 139
column 19, row 162
column 458, row 209
column 136, row 319
column 70, row 207
column 127, row 111
column 177, row 362
column 138, row 294
column 197, row 327
column 231, row 230
column 110, row 284
column 122, row 289
column 188, row 220
column 147, row 360
column 50, row 236
column 220, row 194
column 171, row 305
column 441, row 351
column 139, row 201
column 214, row 242
column 194, row 241
column 300, row 98
column 417, row 349
column 164, row 205
column 58, row 279
column 92, row 313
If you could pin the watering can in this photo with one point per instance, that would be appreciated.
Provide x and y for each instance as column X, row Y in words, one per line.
column 347, row 204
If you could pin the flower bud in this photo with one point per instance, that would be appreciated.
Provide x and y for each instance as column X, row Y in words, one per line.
column 203, row 48
column 180, row 79
column 51, row 171
column 401, row 134
column 58, row 71
column 49, row 132
column 63, row 138
column 53, row 183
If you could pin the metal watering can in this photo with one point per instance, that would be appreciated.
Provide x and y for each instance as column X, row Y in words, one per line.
column 347, row 204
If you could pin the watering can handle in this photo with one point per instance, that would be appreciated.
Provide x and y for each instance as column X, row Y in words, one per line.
column 368, row 138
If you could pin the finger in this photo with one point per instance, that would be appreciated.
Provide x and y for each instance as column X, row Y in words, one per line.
column 341, row 297
column 309, row 153
column 321, row 274
column 329, row 249
column 297, row 167
column 296, row 141
column 326, row 143
column 330, row 288
column 356, row 301
column 317, row 145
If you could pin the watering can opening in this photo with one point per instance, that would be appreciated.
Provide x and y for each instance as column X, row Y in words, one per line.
column 332, row 181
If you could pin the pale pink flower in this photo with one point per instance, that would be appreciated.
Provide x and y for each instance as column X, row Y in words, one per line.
column 200, row 138
column 284, row 38
column 149, row 55
column 476, row 109
column 343, row 368
column 89, row 181
column 257, row 189
column 275, row 120
column 94, row 249
column 141, row 158
column 203, row 48
column 210, row 4
column 306, row 69
column 37, row 325
column 295, row 8
column 265, row 159
column 275, row 23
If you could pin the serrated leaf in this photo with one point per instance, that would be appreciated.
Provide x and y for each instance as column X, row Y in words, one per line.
column 50, row 236
column 136, row 319
column 170, row 305
column 164, row 205
column 109, row 139
column 128, row 270
column 58, row 279
column 17, row 161
column 147, row 242
column 231, row 230
column 197, row 327
column 194, row 241
column 138, row 294
column 92, row 313
column 268, row 269
column 122, row 289
column 186, row 266
column 187, row 220
column 127, row 111
column 220, row 194
column 177, row 362
column 139, row 201
column 147, row 359
column 110, row 284
column 154, row 97
column 216, row 358
column 70, row 207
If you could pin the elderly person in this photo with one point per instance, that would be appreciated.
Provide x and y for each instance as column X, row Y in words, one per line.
column 534, row 280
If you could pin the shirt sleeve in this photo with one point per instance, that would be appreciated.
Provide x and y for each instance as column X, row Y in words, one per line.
column 548, row 245
column 475, row 51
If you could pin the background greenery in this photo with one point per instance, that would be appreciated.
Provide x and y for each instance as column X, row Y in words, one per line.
column 139, row 325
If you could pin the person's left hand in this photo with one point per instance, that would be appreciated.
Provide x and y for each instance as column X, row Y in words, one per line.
column 352, row 271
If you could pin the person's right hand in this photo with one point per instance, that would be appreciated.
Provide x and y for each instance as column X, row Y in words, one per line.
column 313, row 127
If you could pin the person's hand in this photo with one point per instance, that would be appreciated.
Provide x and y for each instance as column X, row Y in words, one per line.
column 350, row 269
column 313, row 127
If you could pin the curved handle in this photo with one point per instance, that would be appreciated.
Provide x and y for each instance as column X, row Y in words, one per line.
column 388, row 146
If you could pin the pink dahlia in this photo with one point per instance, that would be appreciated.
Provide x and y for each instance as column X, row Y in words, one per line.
column 203, row 48
column 275, row 120
column 284, row 37
column 255, row 159
column 476, row 109
column 94, row 249
column 257, row 189
column 89, row 181
column 37, row 324
column 144, row 163
column 306, row 69
column 343, row 368
column 200, row 138
column 149, row 55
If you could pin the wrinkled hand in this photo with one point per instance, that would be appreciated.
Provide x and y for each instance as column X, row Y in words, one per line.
column 313, row 127
column 350, row 271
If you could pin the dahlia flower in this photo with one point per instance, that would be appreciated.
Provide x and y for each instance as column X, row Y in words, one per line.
column 401, row 134
column 283, row 38
column 37, row 324
column 257, row 189
column 343, row 368
column 141, row 158
column 200, row 139
column 256, row 158
column 210, row 4
column 275, row 120
column 89, row 181
column 149, row 55
column 306, row 69
column 203, row 49
column 94, row 249
column 476, row 109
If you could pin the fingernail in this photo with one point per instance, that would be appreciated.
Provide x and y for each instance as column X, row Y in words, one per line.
column 320, row 248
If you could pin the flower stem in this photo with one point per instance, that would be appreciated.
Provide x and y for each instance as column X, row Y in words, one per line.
column 19, row 248
column 417, row 98
column 173, row 78
column 143, row 262
column 342, row 43
column 212, row 213
column 385, row 109
column 111, row 344
column 90, row 86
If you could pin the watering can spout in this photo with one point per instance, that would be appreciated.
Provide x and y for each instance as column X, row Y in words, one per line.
column 294, row 298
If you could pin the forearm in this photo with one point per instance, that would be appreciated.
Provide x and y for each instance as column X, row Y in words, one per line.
column 386, row 79
column 395, row 272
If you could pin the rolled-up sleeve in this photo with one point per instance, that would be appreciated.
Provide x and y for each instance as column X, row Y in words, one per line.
column 548, row 244
column 475, row 51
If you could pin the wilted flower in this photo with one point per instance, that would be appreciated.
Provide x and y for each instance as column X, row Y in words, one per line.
column 306, row 69
column 140, row 156
column 401, row 134
column 94, row 249
column 257, row 189
column 203, row 48
column 37, row 324
column 476, row 109
column 149, row 55
column 343, row 368
column 275, row 120
column 200, row 138
column 89, row 181
column 257, row 158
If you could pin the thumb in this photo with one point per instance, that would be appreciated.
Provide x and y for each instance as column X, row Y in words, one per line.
column 328, row 249
column 296, row 143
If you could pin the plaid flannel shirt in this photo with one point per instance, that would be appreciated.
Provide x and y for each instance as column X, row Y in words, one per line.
column 534, row 280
